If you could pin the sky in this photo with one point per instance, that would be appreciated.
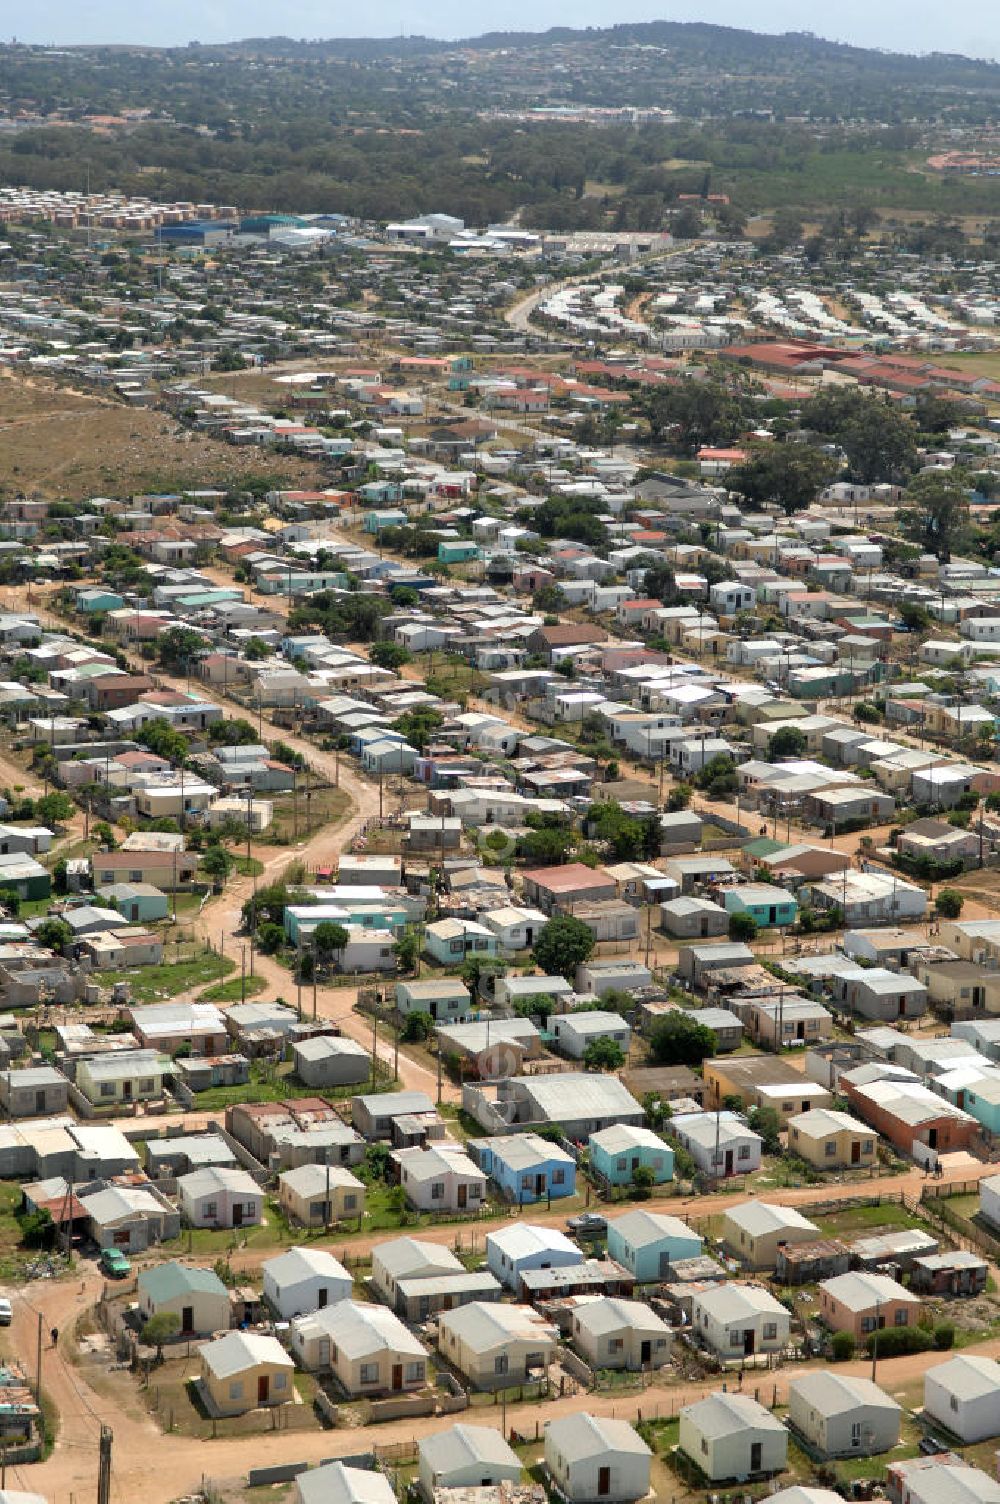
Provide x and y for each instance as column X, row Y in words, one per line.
column 966, row 26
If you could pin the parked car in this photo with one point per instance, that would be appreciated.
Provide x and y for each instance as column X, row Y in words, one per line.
column 588, row 1225
column 114, row 1263
column 6, row 1312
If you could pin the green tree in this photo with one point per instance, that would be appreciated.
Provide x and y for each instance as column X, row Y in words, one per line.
column 419, row 726
column 217, row 863
column 679, row 1039
column 788, row 742
column 765, row 1121
column 790, row 474
column 54, row 808
column 541, row 1006
column 389, row 654
column 407, row 951
column 604, row 1054
column 177, row 646
column 643, row 1181
column 159, row 1329
column 329, row 939
column 270, row 938
column 417, row 1027
column 949, row 903
column 54, row 934
column 743, row 927
column 562, row 945
column 37, row 1229
column 935, row 512
column 841, row 1347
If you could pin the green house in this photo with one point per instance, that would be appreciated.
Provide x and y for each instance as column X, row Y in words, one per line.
column 457, row 551
column 769, row 906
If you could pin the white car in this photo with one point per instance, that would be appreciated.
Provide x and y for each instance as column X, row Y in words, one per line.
column 6, row 1312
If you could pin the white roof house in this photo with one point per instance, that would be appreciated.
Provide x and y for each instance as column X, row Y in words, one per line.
column 524, row 1245
column 465, row 1457
column 590, row 1457
column 335, row 1483
column 842, row 1416
column 737, row 1321
column 963, row 1396
column 304, row 1279
column 935, row 1480
column 237, row 1351
column 409, row 1259
column 732, row 1436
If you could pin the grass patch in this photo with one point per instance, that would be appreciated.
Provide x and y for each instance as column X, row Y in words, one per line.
column 174, row 977
column 232, row 991
column 293, row 822
column 865, row 1219
column 249, row 866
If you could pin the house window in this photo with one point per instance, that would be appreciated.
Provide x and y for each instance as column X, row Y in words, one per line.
column 369, row 1373
column 855, row 1433
column 526, row 1182
column 210, row 1209
column 954, row 1403
column 616, row 1345
column 350, row 1202
column 414, row 1373
column 770, row 1331
column 830, row 1149
column 902, row 1316
column 280, row 1380
column 621, row 1164
column 558, row 1177
column 437, row 1191
column 236, row 1390
column 107, row 1089
column 868, row 1146
column 735, row 1339
column 475, row 1191
column 743, row 1152
column 501, row 1364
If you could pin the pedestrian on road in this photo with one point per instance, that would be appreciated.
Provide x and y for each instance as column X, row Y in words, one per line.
column 54, row 1334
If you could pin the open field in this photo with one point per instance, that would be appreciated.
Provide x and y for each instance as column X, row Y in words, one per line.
column 64, row 444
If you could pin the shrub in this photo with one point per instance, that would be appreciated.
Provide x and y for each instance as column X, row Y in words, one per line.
column 944, row 1336
column 893, row 1341
column 949, row 903
column 841, row 1347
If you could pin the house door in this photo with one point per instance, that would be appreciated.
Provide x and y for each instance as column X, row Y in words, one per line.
column 772, row 915
column 901, row 1008
column 39, row 1101
column 397, row 1376
column 238, row 1214
column 324, row 1352
column 187, row 1318
column 539, row 1185
column 603, row 1480
column 749, row 1342
column 856, row 1152
column 323, row 1296
column 127, row 1090
column 729, row 1161
column 645, row 1352
column 704, row 929
column 800, row 1030
column 263, row 1389
column 756, row 1456
column 463, row 1194
column 932, row 1138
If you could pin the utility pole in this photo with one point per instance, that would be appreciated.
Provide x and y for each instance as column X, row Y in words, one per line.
column 38, row 1364
column 875, row 1340
column 104, row 1472
column 243, row 973
column 374, row 1037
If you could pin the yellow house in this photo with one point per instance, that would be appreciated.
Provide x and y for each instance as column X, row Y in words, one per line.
column 316, row 1195
column 244, row 1371
column 832, row 1140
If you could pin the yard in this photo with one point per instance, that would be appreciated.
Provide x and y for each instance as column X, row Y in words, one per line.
column 151, row 984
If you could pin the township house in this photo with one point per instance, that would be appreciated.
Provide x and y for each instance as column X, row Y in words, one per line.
column 648, row 1243
column 218, row 1196
column 616, row 1153
column 559, row 888
column 494, row 1345
column 590, row 1457
column 511, row 1251
column 304, row 1279
column 861, row 1303
column 739, row 1321
column 440, row 1177
column 465, row 1457
column 316, row 1195
column 411, row 1260
column 611, row 1333
column 832, row 1140
column 841, row 1416
column 526, row 1167
column 244, row 1371
column 961, row 1395
column 720, row 1144
column 755, row 1231
column 197, row 1297
column 367, row 1348
column 731, row 1436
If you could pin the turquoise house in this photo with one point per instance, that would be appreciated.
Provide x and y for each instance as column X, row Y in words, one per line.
column 301, row 919
column 770, row 906
column 95, row 599
column 981, row 1099
column 457, row 551
column 449, row 941
column 139, row 903
column 647, row 1243
column 617, row 1152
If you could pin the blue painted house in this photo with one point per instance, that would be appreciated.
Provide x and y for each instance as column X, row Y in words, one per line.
column 647, row 1243
column 525, row 1167
column 771, row 907
column 617, row 1152
column 93, row 599
column 511, row 1250
column 457, row 550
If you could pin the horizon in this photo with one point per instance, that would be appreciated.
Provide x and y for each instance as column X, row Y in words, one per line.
column 964, row 30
